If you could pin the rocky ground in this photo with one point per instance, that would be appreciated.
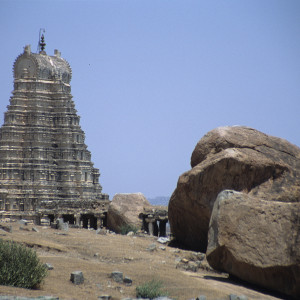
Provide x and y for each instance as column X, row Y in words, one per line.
column 139, row 257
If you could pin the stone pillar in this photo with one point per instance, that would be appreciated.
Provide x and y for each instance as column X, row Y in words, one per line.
column 162, row 228
column 155, row 229
column 37, row 220
column 150, row 222
column 77, row 220
column 99, row 222
column 151, row 228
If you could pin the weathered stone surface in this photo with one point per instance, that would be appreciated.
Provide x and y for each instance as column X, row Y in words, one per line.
column 256, row 240
column 163, row 240
column 238, row 158
column 152, row 247
column 101, row 231
column 6, row 228
column 117, row 276
column 127, row 281
column 61, row 225
column 45, row 166
column 125, row 209
column 48, row 266
column 77, row 277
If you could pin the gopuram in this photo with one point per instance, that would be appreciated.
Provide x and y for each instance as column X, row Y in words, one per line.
column 45, row 166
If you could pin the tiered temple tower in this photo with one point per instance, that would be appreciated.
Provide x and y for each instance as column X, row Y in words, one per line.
column 45, row 167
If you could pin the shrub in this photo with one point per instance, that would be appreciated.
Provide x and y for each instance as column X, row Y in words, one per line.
column 150, row 289
column 20, row 266
column 127, row 228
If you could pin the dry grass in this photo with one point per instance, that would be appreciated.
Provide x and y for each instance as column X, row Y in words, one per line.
column 99, row 255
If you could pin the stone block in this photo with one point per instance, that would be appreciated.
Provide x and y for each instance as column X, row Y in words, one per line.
column 48, row 266
column 127, row 281
column 117, row 276
column 151, row 247
column 77, row 277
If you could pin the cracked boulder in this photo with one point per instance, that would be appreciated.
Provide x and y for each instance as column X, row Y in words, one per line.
column 237, row 158
column 256, row 240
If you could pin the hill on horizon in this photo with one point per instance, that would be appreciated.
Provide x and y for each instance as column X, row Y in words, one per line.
column 159, row 200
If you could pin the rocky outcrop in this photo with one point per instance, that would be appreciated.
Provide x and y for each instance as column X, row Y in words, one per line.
column 256, row 240
column 125, row 209
column 237, row 158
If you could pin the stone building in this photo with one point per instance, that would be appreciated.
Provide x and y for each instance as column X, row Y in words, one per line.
column 45, row 166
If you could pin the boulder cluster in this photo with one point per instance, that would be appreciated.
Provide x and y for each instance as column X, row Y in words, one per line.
column 240, row 203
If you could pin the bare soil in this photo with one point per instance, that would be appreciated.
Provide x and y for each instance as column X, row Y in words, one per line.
column 97, row 256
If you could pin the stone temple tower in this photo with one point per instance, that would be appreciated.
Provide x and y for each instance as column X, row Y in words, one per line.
column 45, row 167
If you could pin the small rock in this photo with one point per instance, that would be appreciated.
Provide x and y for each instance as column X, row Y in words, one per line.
column 61, row 225
column 35, row 229
column 119, row 288
column 176, row 251
column 104, row 297
column 130, row 233
column 6, row 228
column 200, row 256
column 236, row 297
column 48, row 266
column 128, row 258
column 24, row 228
column 192, row 266
column 60, row 233
column 151, row 247
column 162, row 248
column 77, row 277
column 96, row 255
column 185, row 261
column 163, row 240
column 201, row 297
column 117, row 276
column 127, row 281
column 177, row 259
column 101, row 231
column 23, row 222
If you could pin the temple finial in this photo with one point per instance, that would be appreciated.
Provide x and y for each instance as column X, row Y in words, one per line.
column 42, row 44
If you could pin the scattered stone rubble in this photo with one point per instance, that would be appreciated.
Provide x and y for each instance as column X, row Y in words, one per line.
column 192, row 262
column 117, row 276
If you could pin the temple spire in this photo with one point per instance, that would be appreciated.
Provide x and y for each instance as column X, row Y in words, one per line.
column 42, row 44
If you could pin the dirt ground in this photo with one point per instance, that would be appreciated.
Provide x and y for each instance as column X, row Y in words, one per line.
column 97, row 256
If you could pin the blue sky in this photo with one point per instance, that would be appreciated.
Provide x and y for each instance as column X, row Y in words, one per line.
column 150, row 78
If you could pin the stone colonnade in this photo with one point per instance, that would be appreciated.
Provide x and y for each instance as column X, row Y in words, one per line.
column 156, row 227
column 80, row 220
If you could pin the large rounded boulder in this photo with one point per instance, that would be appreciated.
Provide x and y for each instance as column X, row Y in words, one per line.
column 237, row 158
column 256, row 240
column 124, row 210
